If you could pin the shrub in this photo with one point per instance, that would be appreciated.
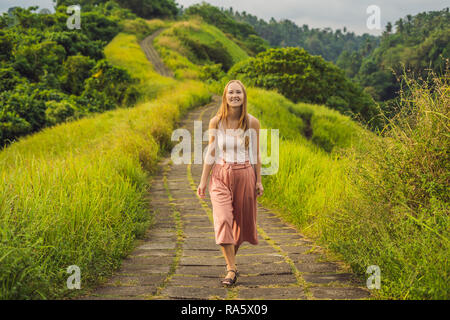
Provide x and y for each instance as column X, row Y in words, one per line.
column 57, row 112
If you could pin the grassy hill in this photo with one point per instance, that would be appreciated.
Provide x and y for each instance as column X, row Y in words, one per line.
column 194, row 49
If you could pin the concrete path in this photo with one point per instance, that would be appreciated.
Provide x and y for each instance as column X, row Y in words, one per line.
column 153, row 56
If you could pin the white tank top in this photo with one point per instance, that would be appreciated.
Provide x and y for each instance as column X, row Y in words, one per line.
column 231, row 145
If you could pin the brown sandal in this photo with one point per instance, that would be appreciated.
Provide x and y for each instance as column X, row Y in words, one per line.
column 228, row 282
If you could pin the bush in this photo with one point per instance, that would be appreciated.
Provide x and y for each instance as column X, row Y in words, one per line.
column 33, row 60
column 57, row 112
column 109, row 84
column 12, row 126
column 24, row 102
column 212, row 72
column 9, row 78
column 215, row 52
column 6, row 45
column 76, row 69
column 337, row 103
column 77, row 43
column 138, row 27
column 149, row 9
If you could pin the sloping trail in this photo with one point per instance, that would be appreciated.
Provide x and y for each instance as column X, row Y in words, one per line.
column 153, row 56
column 178, row 259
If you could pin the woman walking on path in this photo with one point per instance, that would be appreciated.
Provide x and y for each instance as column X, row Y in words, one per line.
column 236, row 174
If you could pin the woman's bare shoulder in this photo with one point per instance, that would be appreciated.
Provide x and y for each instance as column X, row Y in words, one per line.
column 254, row 123
column 213, row 122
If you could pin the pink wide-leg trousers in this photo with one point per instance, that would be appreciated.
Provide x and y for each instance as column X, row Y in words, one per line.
column 233, row 197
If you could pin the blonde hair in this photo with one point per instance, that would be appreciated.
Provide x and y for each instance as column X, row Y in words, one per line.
column 222, row 113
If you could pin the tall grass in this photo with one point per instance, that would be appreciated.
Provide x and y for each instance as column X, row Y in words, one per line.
column 309, row 181
column 175, row 54
column 208, row 34
column 308, row 124
column 373, row 200
column 400, row 206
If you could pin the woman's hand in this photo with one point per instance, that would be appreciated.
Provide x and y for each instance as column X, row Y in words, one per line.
column 259, row 189
column 201, row 190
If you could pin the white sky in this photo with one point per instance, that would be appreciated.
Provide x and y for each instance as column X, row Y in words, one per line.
column 6, row 4
column 317, row 14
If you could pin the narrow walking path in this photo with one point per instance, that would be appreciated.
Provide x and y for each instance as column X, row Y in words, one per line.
column 153, row 56
column 179, row 259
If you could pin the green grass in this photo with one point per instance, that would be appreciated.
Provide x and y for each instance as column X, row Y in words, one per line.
column 208, row 34
column 142, row 28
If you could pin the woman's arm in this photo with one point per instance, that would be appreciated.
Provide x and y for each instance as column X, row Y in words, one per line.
column 259, row 187
column 208, row 161
column 258, row 159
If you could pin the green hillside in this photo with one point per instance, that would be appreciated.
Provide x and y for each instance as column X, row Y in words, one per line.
column 240, row 33
column 196, row 50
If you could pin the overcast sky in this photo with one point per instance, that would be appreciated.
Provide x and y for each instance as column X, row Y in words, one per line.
column 317, row 14
column 6, row 4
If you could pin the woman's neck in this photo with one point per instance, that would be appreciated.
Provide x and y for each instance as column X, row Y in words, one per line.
column 233, row 114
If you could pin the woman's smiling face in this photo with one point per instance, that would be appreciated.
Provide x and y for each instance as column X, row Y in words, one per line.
column 235, row 95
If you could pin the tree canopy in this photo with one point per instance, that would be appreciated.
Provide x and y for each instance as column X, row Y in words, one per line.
column 50, row 74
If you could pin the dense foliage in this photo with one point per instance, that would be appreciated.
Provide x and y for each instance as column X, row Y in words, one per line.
column 403, row 214
column 51, row 74
column 419, row 43
column 300, row 76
